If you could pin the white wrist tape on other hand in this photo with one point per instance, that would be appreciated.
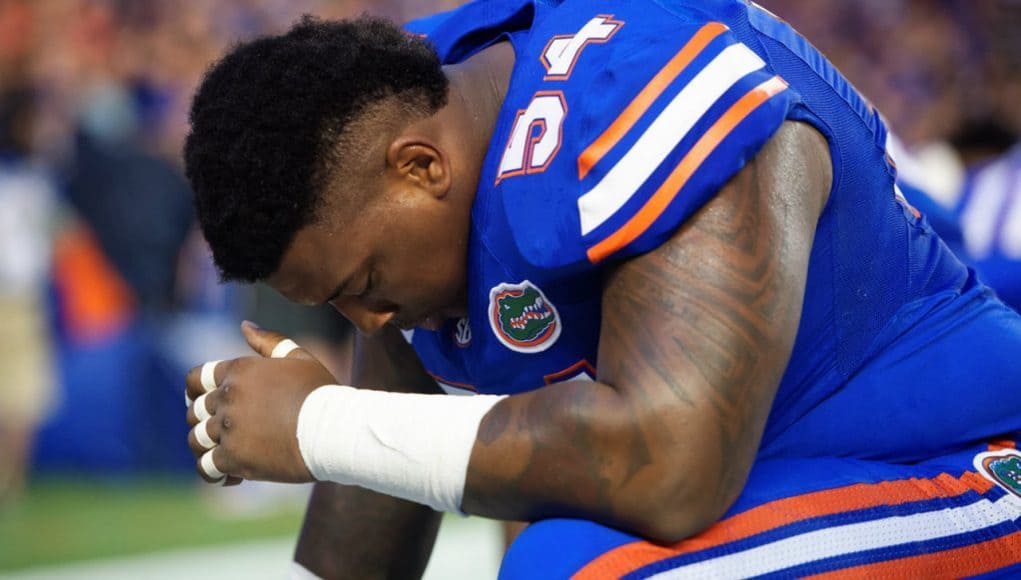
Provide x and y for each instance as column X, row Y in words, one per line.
column 410, row 446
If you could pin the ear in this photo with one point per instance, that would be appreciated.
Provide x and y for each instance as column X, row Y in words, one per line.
column 419, row 162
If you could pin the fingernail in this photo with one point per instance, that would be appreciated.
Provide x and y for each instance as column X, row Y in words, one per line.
column 250, row 324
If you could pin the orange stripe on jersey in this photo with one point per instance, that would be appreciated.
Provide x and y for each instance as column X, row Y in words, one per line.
column 641, row 103
column 630, row 557
column 969, row 560
column 1002, row 444
column 666, row 193
column 580, row 366
column 440, row 379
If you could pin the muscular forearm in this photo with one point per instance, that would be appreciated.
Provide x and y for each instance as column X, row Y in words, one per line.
column 352, row 532
column 577, row 449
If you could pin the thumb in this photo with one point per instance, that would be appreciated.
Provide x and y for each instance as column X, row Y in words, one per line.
column 265, row 341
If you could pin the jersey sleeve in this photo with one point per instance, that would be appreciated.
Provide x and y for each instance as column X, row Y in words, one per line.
column 651, row 136
column 460, row 32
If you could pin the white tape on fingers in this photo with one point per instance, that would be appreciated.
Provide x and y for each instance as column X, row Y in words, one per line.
column 208, row 375
column 187, row 399
column 201, row 410
column 209, row 466
column 283, row 348
column 202, row 435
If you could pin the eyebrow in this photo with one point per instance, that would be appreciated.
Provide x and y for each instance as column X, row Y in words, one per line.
column 342, row 287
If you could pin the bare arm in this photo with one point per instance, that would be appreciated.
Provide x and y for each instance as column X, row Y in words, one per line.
column 695, row 338
column 351, row 532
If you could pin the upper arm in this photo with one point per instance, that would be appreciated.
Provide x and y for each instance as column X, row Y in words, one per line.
column 697, row 334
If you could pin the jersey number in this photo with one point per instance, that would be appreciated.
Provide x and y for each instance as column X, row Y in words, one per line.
column 562, row 51
column 538, row 129
column 535, row 137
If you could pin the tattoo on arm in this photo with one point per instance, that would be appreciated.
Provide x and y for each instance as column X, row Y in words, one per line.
column 695, row 338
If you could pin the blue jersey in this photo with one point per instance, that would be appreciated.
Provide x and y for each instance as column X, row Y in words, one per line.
column 622, row 119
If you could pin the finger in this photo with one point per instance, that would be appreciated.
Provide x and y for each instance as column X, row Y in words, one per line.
column 231, row 481
column 203, row 408
column 200, row 440
column 208, row 467
column 271, row 344
column 204, row 436
column 204, row 378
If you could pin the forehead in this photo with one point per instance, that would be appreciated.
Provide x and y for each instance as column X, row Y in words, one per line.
column 313, row 264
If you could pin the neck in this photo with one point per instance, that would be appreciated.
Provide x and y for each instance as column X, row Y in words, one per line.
column 477, row 89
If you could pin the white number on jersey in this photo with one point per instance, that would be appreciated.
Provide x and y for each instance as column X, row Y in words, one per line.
column 562, row 51
column 535, row 137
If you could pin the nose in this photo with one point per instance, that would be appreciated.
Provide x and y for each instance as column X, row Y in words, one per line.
column 367, row 319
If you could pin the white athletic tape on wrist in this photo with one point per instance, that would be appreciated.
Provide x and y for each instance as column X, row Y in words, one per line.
column 209, row 466
column 201, row 410
column 283, row 348
column 410, row 446
column 202, row 435
column 299, row 572
column 208, row 375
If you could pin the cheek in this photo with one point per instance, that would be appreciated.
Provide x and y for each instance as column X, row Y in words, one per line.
column 438, row 275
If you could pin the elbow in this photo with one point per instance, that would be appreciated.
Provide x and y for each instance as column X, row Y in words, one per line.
column 678, row 510
column 671, row 524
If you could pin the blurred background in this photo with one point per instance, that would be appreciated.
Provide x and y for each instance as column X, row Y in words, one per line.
column 108, row 294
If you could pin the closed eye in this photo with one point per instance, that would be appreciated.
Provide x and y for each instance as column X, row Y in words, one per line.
column 368, row 284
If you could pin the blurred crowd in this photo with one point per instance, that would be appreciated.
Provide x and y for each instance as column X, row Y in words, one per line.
column 107, row 293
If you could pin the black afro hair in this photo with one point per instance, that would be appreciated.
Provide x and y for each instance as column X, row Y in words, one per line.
column 267, row 116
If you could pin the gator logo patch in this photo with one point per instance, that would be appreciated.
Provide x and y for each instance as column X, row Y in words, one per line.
column 1002, row 467
column 522, row 317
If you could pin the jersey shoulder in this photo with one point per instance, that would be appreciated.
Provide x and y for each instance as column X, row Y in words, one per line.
column 622, row 121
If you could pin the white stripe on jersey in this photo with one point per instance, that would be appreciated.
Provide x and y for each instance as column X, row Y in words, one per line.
column 662, row 136
column 851, row 538
column 978, row 221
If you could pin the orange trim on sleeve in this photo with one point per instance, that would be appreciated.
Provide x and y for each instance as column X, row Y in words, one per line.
column 970, row 560
column 630, row 557
column 582, row 365
column 666, row 193
column 448, row 382
column 641, row 103
column 1002, row 444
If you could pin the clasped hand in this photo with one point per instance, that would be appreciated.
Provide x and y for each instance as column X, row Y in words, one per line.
column 250, row 428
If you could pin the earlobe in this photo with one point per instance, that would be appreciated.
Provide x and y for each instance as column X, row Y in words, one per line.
column 422, row 163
